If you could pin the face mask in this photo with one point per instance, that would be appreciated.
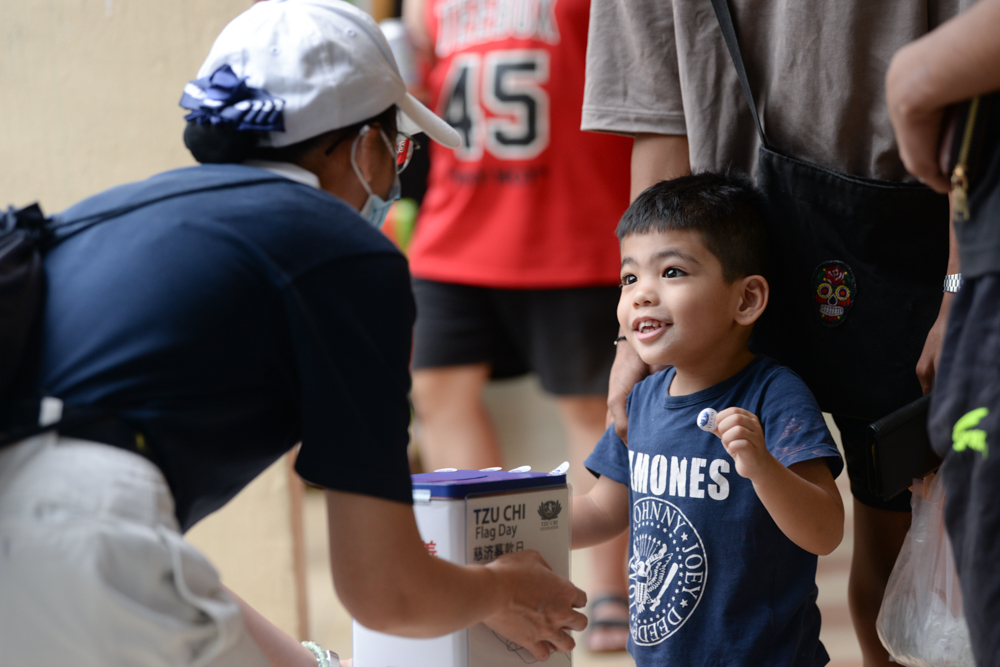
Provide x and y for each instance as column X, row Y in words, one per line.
column 375, row 208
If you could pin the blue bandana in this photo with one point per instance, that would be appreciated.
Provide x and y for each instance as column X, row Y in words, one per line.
column 224, row 98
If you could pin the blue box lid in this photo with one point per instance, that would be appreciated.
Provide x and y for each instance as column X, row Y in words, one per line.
column 464, row 483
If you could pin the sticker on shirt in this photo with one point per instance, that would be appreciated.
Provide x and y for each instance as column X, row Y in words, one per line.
column 835, row 291
column 667, row 570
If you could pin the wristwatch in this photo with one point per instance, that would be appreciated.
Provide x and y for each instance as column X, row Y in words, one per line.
column 953, row 282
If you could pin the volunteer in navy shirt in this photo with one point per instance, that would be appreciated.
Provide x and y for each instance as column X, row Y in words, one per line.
column 216, row 316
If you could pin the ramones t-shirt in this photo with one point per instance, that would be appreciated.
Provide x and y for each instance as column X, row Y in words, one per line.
column 712, row 579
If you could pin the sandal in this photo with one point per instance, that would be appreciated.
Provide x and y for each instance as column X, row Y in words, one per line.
column 608, row 635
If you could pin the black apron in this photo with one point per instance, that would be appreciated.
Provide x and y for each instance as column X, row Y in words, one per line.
column 856, row 273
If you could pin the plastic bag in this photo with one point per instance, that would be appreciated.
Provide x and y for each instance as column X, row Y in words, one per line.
column 921, row 622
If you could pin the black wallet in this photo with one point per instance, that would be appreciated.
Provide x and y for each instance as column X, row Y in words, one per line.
column 900, row 449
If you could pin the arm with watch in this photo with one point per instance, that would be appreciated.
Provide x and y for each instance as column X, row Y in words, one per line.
column 949, row 65
column 927, row 364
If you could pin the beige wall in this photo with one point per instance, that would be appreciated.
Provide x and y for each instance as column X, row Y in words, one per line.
column 88, row 99
column 89, row 91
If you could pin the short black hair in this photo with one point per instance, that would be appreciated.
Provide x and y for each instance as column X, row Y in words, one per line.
column 215, row 144
column 728, row 210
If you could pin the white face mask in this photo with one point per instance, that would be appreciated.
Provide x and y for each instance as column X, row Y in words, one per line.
column 375, row 208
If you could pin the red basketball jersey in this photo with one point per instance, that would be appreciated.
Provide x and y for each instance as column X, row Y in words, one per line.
column 528, row 200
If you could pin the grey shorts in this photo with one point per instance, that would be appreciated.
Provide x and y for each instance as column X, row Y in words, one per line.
column 93, row 571
column 563, row 335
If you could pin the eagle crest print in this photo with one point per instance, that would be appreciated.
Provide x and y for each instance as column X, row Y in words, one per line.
column 667, row 570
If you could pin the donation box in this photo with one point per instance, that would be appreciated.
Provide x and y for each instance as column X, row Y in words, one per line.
column 474, row 517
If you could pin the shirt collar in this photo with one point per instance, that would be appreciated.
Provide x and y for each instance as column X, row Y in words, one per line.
column 290, row 171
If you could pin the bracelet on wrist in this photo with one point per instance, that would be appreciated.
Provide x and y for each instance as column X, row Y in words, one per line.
column 323, row 658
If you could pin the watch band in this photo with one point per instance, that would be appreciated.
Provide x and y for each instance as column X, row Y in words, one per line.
column 953, row 282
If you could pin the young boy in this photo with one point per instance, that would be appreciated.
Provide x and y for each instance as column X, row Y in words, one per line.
column 725, row 525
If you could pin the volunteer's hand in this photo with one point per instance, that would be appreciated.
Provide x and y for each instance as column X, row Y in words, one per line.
column 540, row 605
column 743, row 437
column 627, row 370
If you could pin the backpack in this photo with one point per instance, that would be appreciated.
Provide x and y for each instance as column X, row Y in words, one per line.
column 25, row 234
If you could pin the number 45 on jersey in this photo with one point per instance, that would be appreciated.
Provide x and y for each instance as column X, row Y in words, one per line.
column 497, row 102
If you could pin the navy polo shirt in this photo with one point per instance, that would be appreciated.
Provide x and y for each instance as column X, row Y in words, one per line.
column 229, row 313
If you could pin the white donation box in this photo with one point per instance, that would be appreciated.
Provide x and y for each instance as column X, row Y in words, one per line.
column 474, row 517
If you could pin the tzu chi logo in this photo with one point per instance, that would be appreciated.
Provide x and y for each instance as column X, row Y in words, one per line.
column 549, row 509
column 549, row 512
column 667, row 570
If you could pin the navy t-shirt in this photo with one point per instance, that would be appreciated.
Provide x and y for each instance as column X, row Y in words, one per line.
column 712, row 579
column 228, row 324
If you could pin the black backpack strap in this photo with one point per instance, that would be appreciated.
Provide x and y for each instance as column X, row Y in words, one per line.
column 729, row 34
column 25, row 419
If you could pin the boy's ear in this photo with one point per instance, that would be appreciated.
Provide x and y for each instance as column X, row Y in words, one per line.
column 754, row 292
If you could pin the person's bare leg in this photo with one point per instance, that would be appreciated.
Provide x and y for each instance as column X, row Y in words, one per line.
column 878, row 537
column 584, row 418
column 454, row 427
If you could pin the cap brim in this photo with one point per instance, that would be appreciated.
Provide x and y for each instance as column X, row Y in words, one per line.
column 425, row 120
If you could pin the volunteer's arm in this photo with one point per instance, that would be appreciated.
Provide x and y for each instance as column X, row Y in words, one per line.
column 601, row 514
column 802, row 499
column 281, row 649
column 388, row 582
column 655, row 158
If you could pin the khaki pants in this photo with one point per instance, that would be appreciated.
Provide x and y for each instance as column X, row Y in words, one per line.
column 93, row 571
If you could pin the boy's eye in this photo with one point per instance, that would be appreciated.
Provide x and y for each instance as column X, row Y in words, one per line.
column 673, row 272
column 628, row 279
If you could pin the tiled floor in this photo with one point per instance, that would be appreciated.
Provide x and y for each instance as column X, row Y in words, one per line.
column 525, row 418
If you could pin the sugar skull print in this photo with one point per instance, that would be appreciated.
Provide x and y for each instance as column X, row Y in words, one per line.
column 836, row 291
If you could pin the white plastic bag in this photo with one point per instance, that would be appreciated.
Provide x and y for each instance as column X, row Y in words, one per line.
column 921, row 622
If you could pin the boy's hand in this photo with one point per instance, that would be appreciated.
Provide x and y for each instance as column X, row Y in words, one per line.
column 743, row 437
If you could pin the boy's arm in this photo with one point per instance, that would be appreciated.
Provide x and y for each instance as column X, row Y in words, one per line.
column 601, row 514
column 802, row 498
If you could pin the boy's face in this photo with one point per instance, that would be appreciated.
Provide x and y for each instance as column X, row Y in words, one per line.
column 675, row 307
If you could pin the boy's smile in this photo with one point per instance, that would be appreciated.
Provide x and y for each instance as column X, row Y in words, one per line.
column 675, row 307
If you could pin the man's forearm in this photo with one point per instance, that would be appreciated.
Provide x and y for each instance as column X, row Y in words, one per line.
column 657, row 157
column 957, row 61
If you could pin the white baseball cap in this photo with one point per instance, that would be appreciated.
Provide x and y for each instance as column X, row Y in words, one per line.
column 327, row 61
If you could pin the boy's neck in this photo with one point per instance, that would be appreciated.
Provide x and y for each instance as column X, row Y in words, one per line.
column 692, row 378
